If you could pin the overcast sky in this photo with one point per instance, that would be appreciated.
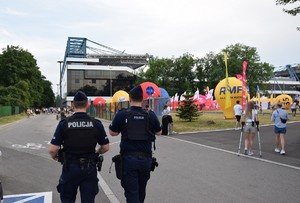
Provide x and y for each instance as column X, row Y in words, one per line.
column 163, row 28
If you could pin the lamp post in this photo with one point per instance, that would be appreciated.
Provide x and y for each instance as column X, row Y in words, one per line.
column 57, row 97
column 57, row 91
column 60, row 74
column 110, row 82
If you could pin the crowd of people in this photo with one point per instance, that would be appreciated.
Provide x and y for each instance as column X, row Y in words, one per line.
column 248, row 122
column 80, row 141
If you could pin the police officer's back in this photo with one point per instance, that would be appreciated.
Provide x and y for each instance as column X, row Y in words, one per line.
column 78, row 135
column 138, row 128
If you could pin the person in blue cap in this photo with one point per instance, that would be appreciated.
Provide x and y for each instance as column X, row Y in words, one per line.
column 138, row 129
column 74, row 144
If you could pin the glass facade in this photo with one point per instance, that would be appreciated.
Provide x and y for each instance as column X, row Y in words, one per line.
column 98, row 82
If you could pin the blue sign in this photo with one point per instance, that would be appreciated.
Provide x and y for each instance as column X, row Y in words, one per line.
column 149, row 90
column 43, row 197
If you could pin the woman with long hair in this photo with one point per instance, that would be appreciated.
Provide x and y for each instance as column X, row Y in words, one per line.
column 250, row 118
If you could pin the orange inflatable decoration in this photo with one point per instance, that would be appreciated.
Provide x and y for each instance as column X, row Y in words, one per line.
column 99, row 100
column 120, row 96
column 285, row 99
column 150, row 90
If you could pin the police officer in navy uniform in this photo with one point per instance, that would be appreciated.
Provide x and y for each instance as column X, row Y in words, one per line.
column 135, row 146
column 78, row 136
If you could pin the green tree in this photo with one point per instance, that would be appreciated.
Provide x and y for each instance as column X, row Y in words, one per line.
column 293, row 11
column 209, row 71
column 175, row 75
column 48, row 96
column 159, row 72
column 213, row 66
column 20, row 74
column 183, row 74
column 187, row 111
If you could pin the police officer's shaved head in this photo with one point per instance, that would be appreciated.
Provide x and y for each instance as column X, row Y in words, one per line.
column 136, row 94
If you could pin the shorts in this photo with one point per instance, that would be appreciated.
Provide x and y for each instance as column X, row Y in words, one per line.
column 238, row 118
column 249, row 129
column 294, row 110
column 279, row 130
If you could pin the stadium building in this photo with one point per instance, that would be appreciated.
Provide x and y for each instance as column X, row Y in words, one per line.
column 96, row 69
column 285, row 81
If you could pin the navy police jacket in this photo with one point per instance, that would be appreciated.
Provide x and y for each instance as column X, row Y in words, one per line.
column 119, row 125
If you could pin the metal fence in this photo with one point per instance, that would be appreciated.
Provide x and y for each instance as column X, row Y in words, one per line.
column 108, row 110
column 10, row 110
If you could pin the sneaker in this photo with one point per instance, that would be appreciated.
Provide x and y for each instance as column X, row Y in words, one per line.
column 250, row 153
column 246, row 152
column 277, row 150
column 282, row 152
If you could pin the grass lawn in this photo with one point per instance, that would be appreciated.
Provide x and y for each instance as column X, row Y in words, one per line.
column 10, row 119
column 208, row 120
column 215, row 120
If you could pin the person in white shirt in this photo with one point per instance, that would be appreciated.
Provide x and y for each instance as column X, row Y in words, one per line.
column 294, row 108
column 167, row 121
column 238, row 110
column 249, row 119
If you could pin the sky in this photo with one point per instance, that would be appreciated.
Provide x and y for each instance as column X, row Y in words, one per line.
column 162, row 28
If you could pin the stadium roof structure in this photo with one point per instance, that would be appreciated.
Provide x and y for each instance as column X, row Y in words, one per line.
column 78, row 47
column 292, row 71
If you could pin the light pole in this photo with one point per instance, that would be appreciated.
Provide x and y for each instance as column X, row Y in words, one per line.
column 110, row 82
column 57, row 91
column 60, row 96
column 57, row 95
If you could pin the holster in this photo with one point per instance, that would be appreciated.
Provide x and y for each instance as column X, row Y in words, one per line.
column 99, row 161
column 117, row 159
column 154, row 163
column 62, row 159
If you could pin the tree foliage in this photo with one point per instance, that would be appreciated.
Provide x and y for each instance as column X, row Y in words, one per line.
column 174, row 74
column 159, row 72
column 257, row 72
column 213, row 66
column 294, row 11
column 21, row 82
column 187, row 110
column 186, row 72
column 183, row 74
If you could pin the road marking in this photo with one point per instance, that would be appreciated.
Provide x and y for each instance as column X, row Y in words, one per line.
column 41, row 197
column 108, row 192
column 235, row 153
column 29, row 146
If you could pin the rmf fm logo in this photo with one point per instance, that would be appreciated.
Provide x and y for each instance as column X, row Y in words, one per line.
column 232, row 90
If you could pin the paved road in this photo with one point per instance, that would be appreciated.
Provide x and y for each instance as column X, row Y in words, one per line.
column 193, row 167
